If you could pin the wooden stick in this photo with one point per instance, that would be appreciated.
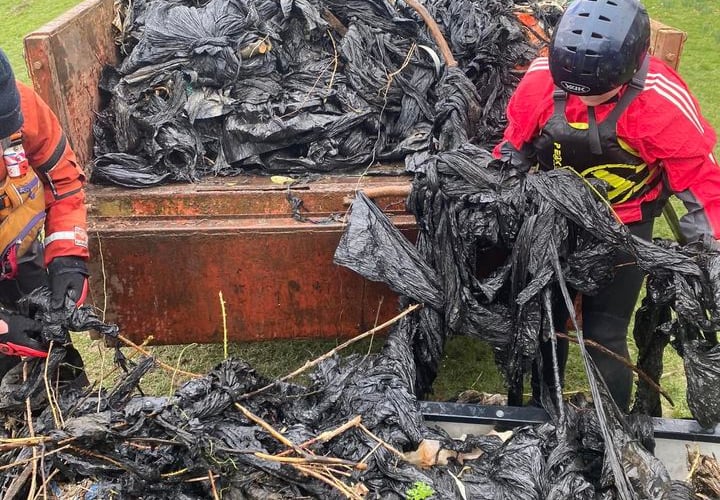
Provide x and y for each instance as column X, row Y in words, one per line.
column 31, row 430
column 327, row 435
column 309, row 460
column 17, row 484
column 167, row 367
column 250, row 415
column 381, row 442
column 52, row 401
column 622, row 360
column 435, row 32
column 22, row 462
column 13, row 443
column 332, row 483
column 310, row 364
column 212, row 485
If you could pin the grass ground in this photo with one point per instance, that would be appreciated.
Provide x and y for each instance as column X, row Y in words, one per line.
column 467, row 364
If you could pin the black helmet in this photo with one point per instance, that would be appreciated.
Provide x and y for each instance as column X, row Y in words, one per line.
column 598, row 45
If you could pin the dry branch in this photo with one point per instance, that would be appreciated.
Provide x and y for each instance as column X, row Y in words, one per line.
column 310, row 364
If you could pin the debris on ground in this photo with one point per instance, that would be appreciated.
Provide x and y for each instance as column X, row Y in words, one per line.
column 704, row 474
column 354, row 430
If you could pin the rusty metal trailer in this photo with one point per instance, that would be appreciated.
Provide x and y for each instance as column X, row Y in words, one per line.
column 162, row 256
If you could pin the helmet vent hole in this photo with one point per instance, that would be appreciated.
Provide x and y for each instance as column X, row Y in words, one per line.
column 584, row 14
column 590, row 52
column 571, row 49
column 610, row 2
column 603, row 18
column 597, row 35
column 577, row 32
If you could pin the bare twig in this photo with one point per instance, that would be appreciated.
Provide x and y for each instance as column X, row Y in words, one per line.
column 225, row 330
column 22, row 462
column 177, row 367
column 327, row 435
column 435, row 32
column 165, row 366
column 212, row 485
column 43, row 487
column 310, row 364
column 18, row 483
column 622, row 360
column 385, row 445
column 31, row 431
column 336, row 61
column 310, row 460
column 52, row 401
column 332, row 482
column 269, row 428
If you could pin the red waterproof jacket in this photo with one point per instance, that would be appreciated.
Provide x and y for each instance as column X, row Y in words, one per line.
column 52, row 158
column 662, row 125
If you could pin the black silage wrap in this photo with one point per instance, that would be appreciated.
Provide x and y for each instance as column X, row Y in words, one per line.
column 191, row 97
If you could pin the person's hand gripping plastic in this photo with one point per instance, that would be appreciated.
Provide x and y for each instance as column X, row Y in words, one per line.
column 68, row 278
column 18, row 334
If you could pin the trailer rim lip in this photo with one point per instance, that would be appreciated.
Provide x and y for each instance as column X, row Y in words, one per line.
column 666, row 428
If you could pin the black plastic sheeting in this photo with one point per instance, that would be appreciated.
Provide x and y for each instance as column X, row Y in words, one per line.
column 131, row 446
column 556, row 233
column 193, row 95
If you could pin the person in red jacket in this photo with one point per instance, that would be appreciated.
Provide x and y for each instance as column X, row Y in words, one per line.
column 600, row 105
column 41, row 187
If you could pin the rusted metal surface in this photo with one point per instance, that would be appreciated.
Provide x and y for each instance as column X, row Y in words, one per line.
column 64, row 60
column 666, row 43
column 163, row 255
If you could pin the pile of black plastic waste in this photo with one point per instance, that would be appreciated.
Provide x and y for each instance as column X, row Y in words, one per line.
column 222, row 87
column 558, row 234
column 351, row 430
column 293, row 441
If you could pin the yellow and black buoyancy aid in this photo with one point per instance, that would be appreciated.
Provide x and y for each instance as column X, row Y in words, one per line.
column 22, row 205
column 594, row 150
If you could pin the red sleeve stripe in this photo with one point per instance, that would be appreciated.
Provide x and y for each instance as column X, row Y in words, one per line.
column 677, row 96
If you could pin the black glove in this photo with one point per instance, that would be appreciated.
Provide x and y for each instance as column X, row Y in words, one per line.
column 522, row 160
column 17, row 336
column 68, row 277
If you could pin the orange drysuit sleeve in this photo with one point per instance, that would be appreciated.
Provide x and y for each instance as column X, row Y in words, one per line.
column 50, row 155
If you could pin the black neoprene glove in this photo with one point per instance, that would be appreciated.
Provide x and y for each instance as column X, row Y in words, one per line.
column 68, row 277
column 522, row 160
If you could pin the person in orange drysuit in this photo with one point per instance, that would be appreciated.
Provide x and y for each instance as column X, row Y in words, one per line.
column 41, row 187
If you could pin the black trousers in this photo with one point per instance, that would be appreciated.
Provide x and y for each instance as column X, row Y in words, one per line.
column 31, row 275
column 605, row 317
